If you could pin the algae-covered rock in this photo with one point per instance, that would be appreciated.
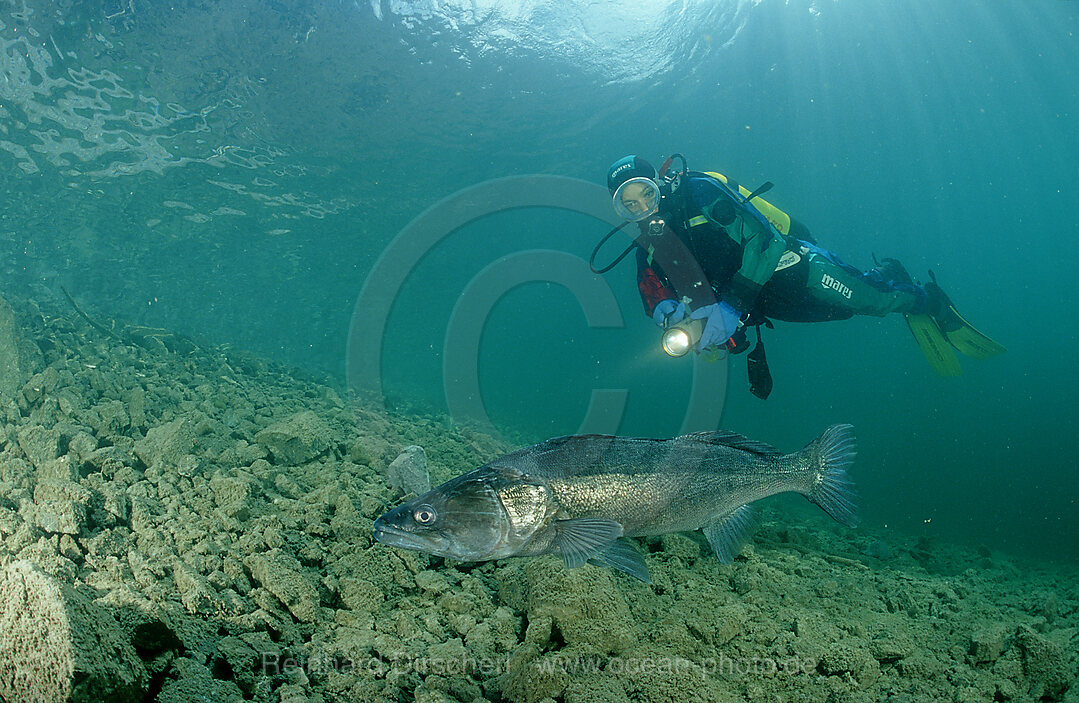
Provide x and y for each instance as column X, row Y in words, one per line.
column 888, row 648
column 197, row 595
column 40, row 445
column 360, row 594
column 595, row 688
column 677, row 544
column 923, row 665
column 58, row 506
column 655, row 675
column 16, row 471
column 195, row 682
column 297, row 440
column 109, row 417
column 987, row 644
column 166, row 445
column 432, row 582
column 243, row 660
column 283, row 576
column 850, row 657
column 584, row 604
column 1044, row 663
column 57, row 645
column 532, row 677
column 62, row 468
column 148, row 625
column 234, row 494
column 55, row 516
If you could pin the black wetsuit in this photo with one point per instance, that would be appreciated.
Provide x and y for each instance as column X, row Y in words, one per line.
column 733, row 256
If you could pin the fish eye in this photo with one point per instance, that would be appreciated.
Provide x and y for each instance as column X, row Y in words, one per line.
column 424, row 515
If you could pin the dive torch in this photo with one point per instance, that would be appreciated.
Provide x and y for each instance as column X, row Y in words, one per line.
column 680, row 338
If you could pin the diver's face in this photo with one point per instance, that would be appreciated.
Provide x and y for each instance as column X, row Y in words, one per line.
column 639, row 199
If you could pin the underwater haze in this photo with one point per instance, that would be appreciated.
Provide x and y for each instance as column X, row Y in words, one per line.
column 404, row 196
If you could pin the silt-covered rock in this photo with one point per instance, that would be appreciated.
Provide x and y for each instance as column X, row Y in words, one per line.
column 299, row 439
column 57, row 645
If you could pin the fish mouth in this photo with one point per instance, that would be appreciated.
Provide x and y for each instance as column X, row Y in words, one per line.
column 395, row 537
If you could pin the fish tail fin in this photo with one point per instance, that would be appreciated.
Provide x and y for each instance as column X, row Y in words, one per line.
column 830, row 455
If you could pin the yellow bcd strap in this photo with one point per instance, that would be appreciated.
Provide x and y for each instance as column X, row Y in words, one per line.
column 777, row 217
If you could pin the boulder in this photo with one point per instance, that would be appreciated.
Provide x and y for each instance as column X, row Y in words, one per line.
column 296, row 440
column 282, row 576
column 166, row 445
column 408, row 472
column 40, row 445
column 987, row 644
column 1045, row 664
column 585, row 605
column 57, row 645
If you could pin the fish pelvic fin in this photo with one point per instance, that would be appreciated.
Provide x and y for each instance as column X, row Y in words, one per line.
column 580, row 539
column 727, row 534
column 830, row 455
column 622, row 555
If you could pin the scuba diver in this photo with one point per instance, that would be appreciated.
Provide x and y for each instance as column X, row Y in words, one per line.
column 714, row 259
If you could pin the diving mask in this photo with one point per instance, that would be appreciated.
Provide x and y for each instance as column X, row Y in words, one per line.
column 637, row 199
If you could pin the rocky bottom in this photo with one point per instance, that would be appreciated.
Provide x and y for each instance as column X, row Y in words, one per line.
column 181, row 523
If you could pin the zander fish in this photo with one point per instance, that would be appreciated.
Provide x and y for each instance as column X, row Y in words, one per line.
column 581, row 496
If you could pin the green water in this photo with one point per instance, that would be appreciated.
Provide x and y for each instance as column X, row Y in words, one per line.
column 235, row 172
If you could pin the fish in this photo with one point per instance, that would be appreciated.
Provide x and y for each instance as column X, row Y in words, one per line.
column 583, row 496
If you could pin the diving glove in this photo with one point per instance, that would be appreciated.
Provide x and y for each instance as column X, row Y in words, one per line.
column 722, row 322
column 669, row 312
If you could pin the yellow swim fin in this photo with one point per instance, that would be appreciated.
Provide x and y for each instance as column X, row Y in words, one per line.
column 961, row 334
column 966, row 338
column 934, row 345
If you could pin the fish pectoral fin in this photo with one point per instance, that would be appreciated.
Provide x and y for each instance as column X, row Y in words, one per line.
column 622, row 555
column 729, row 533
column 581, row 539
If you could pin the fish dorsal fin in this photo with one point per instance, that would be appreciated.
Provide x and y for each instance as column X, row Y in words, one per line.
column 729, row 533
column 581, row 539
column 590, row 443
column 555, row 442
column 735, row 441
